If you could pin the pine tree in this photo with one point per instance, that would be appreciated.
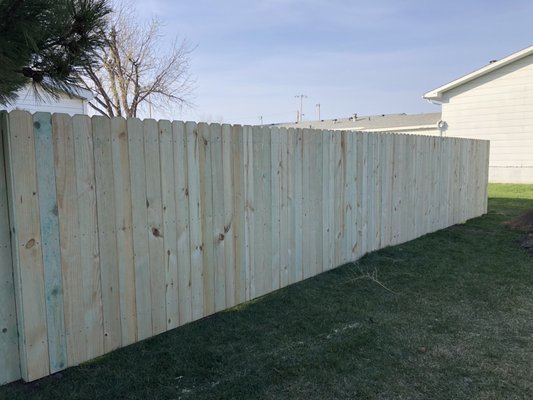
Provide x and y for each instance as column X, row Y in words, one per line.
column 47, row 43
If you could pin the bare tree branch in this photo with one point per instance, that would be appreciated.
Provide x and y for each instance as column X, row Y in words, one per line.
column 133, row 70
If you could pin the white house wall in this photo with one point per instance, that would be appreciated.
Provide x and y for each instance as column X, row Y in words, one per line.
column 497, row 107
column 27, row 101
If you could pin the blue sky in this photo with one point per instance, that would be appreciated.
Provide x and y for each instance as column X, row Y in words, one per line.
column 365, row 57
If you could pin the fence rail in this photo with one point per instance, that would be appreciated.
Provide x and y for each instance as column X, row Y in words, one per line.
column 123, row 229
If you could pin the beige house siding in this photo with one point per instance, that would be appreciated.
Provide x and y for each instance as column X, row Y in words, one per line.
column 497, row 106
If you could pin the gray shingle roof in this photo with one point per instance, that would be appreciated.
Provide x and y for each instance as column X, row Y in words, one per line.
column 371, row 122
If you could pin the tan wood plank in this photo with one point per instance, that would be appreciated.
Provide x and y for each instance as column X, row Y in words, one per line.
column 9, row 344
column 194, row 142
column 69, row 237
column 307, row 247
column 284, row 224
column 26, row 245
column 182, row 221
column 229, row 187
column 154, row 213
column 219, row 229
column 208, row 236
column 170, row 237
column 338, row 200
column 53, row 279
column 298, row 272
column 141, row 258
column 107, row 238
column 124, row 229
column 249, row 210
column 89, row 252
column 239, row 205
column 291, row 207
column 328, row 202
column 316, row 241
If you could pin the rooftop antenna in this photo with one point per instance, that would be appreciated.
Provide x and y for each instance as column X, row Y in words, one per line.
column 301, row 97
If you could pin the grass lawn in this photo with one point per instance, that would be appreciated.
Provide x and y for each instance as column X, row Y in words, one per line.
column 449, row 317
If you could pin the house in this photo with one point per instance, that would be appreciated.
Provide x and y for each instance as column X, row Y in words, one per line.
column 73, row 104
column 495, row 103
column 420, row 124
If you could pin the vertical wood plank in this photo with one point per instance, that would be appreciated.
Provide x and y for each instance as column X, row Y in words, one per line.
column 275, row 223
column 436, row 178
column 376, row 192
column 284, row 225
column 170, row 236
column 9, row 344
column 218, row 175
column 239, row 206
column 107, row 238
column 194, row 141
column 154, row 212
column 291, row 207
column 263, row 216
column 298, row 206
column 418, row 187
column 124, row 229
column 359, row 193
column 48, row 211
column 89, row 253
column 206, row 198
column 69, row 236
column 340, row 176
column 444, row 182
column 397, row 189
column 182, row 221
column 386, row 194
column 316, row 203
column 353, row 232
column 249, row 210
column 230, row 187
column 141, row 258
column 328, row 203
column 26, row 245
column 407, row 187
column 307, row 247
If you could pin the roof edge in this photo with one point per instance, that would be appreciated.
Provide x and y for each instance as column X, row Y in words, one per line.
column 436, row 94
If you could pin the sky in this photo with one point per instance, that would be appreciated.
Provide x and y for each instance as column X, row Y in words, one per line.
column 251, row 58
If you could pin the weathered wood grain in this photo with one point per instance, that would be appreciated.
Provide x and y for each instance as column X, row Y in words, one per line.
column 123, row 229
column 9, row 344
column 28, row 267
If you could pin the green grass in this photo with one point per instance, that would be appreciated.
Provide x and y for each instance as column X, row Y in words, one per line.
column 453, row 320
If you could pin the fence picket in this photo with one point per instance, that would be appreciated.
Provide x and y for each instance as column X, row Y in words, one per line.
column 48, row 211
column 123, row 229
column 154, row 212
column 170, row 234
column 28, row 267
column 89, row 254
column 107, row 238
column 9, row 344
column 182, row 221
column 141, row 258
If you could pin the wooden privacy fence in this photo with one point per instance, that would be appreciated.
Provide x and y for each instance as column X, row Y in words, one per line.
column 123, row 229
